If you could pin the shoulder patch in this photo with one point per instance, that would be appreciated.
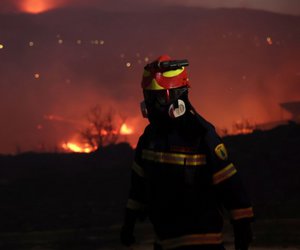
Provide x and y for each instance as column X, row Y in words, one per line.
column 221, row 152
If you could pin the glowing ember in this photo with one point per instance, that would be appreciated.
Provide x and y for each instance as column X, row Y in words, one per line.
column 125, row 130
column 39, row 127
column 243, row 131
column 269, row 40
column 77, row 148
column 37, row 6
column 104, row 132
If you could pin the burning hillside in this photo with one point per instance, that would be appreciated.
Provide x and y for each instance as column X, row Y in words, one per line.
column 242, row 65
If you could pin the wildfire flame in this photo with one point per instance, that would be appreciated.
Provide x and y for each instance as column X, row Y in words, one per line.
column 37, row 6
column 243, row 126
column 77, row 148
column 125, row 130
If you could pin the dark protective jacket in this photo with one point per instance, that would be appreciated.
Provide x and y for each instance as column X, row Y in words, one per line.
column 182, row 176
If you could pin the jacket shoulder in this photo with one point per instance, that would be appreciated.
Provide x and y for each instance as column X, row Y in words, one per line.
column 147, row 131
column 208, row 130
column 202, row 123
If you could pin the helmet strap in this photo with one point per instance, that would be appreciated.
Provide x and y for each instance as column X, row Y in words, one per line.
column 177, row 109
column 168, row 96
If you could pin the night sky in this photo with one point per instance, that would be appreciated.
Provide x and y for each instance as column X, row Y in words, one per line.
column 60, row 58
column 280, row 6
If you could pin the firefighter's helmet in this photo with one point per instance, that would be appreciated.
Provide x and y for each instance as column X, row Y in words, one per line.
column 165, row 73
column 164, row 82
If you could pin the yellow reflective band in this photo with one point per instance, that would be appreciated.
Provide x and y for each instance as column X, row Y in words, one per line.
column 193, row 239
column 154, row 86
column 242, row 213
column 134, row 205
column 224, row 174
column 173, row 158
column 173, row 73
column 137, row 169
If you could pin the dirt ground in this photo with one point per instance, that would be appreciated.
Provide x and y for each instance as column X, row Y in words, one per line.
column 107, row 238
column 231, row 248
column 227, row 248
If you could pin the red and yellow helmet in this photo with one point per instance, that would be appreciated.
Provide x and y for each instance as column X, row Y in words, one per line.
column 165, row 74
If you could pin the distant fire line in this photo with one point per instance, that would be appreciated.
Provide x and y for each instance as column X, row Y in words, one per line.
column 78, row 147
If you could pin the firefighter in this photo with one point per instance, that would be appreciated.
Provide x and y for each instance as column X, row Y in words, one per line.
column 182, row 177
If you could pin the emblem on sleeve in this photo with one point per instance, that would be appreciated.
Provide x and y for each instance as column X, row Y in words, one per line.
column 221, row 152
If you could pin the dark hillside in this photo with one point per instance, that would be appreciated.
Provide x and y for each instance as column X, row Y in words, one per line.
column 269, row 163
column 51, row 191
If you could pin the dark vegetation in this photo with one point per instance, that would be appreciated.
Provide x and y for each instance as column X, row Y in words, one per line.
column 54, row 191
column 270, row 168
column 87, row 193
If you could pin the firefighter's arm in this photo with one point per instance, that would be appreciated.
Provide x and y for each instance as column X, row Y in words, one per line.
column 135, row 207
column 234, row 198
column 230, row 190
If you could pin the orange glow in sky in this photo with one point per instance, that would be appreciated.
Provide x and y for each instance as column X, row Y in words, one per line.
column 37, row 6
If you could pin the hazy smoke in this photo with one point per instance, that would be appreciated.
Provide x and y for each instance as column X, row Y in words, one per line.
column 242, row 65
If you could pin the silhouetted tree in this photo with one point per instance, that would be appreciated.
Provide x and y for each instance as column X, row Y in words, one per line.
column 243, row 126
column 223, row 132
column 102, row 128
